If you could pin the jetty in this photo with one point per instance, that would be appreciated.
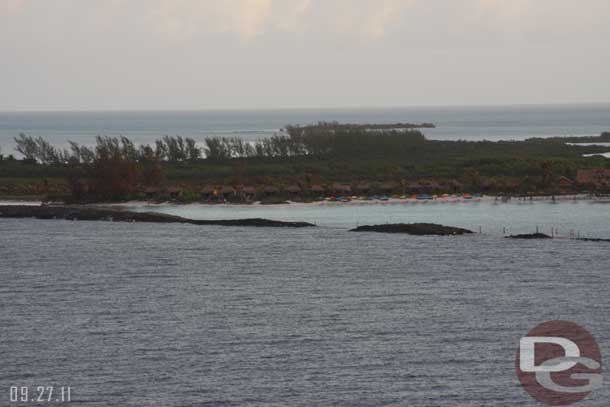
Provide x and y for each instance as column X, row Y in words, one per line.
column 417, row 229
column 536, row 235
column 82, row 213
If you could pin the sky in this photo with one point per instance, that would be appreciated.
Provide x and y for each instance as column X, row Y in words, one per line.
column 257, row 54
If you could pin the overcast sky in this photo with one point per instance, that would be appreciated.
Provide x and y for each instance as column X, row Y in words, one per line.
column 206, row 54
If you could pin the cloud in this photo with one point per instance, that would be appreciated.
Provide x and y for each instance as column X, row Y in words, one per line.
column 252, row 17
column 11, row 6
column 413, row 21
column 386, row 15
column 248, row 19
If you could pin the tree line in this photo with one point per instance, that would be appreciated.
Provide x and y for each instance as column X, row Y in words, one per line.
column 171, row 149
column 322, row 139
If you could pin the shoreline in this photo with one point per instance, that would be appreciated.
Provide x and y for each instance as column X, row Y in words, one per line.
column 356, row 201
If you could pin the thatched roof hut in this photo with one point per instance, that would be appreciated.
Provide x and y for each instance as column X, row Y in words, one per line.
column 173, row 192
column 208, row 189
column 341, row 188
column 270, row 189
column 455, row 184
column 227, row 190
column 151, row 190
column 363, row 187
column 433, row 185
column 414, row 186
column 388, row 186
column 317, row 188
column 249, row 190
column 293, row 189
column 565, row 182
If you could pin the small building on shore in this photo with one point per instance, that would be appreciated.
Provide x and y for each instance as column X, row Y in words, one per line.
column 598, row 178
column 270, row 190
column 151, row 192
column 227, row 192
column 341, row 189
column 363, row 188
column 389, row 187
column 566, row 185
column 247, row 193
column 317, row 190
column 454, row 186
column 208, row 193
column 414, row 188
column 173, row 193
column 294, row 191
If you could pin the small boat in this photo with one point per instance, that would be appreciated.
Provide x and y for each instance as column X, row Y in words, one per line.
column 423, row 197
column 467, row 196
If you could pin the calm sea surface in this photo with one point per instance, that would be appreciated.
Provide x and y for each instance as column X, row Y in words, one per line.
column 181, row 315
column 470, row 123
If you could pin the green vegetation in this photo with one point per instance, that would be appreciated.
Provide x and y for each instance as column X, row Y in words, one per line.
column 322, row 154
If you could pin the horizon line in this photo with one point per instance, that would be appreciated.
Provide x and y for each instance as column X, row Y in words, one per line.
column 327, row 108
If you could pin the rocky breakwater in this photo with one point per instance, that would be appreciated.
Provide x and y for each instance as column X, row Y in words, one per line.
column 121, row 215
column 530, row 236
column 418, row 229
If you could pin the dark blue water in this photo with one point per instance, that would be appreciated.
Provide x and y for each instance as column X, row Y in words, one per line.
column 471, row 123
column 180, row 315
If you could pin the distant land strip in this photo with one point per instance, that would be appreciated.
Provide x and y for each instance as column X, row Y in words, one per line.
column 375, row 126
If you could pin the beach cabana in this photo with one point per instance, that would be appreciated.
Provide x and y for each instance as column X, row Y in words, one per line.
column 598, row 178
column 389, row 187
column 341, row 189
column 566, row 185
column 227, row 192
column 207, row 193
column 414, row 187
column 317, row 190
column 151, row 192
column 247, row 193
column 174, row 192
column 363, row 188
column 434, row 186
column 293, row 190
column 270, row 190
column 455, row 186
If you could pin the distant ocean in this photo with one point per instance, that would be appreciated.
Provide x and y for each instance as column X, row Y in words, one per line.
column 469, row 123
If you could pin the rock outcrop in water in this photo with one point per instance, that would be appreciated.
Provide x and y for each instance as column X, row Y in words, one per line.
column 530, row 236
column 418, row 229
column 589, row 239
column 119, row 215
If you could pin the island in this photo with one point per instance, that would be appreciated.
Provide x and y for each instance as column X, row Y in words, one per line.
column 303, row 163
